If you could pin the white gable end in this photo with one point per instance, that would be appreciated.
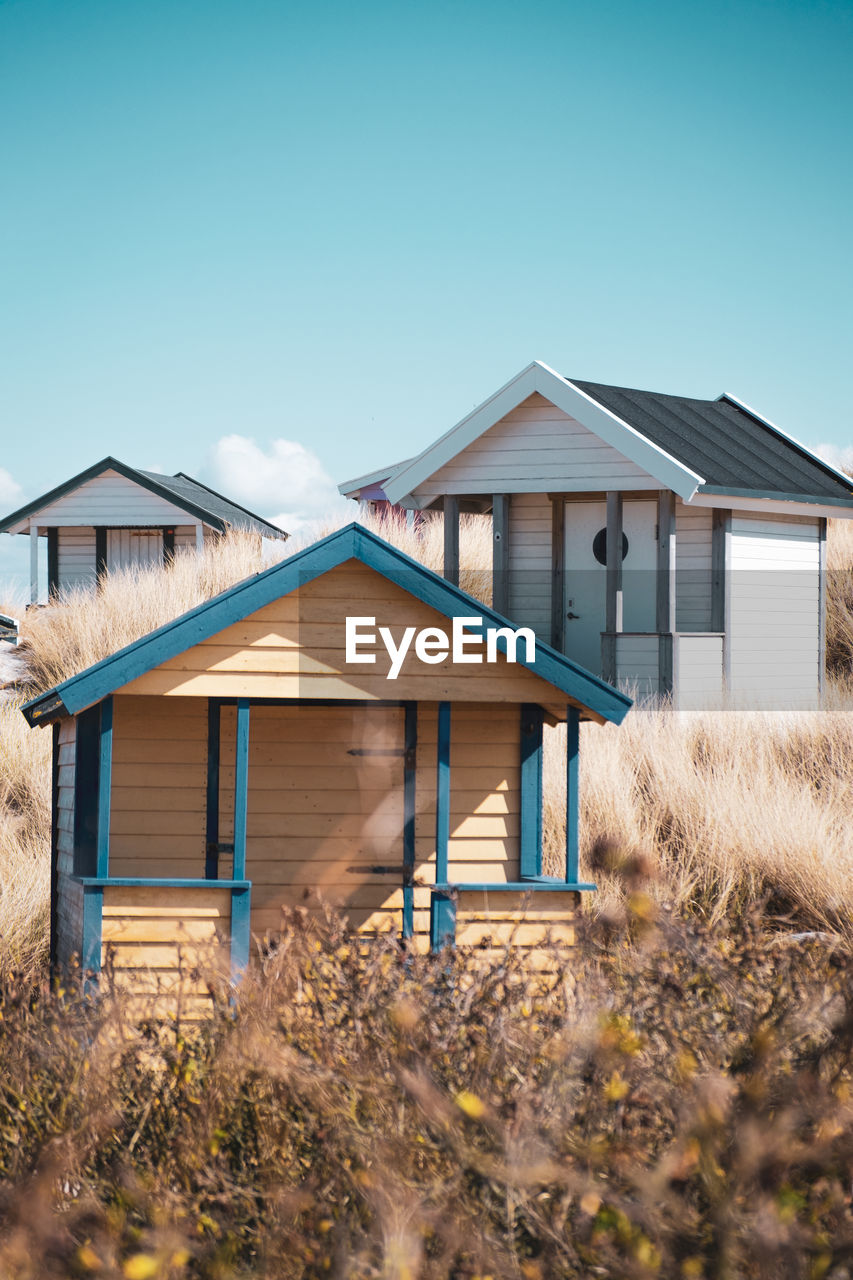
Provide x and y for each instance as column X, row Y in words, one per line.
column 108, row 499
column 537, row 448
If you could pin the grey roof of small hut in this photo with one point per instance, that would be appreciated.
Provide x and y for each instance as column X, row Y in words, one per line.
column 721, row 440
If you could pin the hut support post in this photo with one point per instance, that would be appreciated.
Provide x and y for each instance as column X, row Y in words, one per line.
column 34, row 564
column 613, row 586
column 531, row 791
column 240, row 898
column 409, row 769
column 199, row 537
column 572, row 792
column 666, row 590
column 105, row 771
column 93, row 913
column 500, row 552
column 451, row 539
column 442, row 924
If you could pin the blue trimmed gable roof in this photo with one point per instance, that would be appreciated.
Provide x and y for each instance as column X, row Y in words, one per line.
column 351, row 542
column 181, row 490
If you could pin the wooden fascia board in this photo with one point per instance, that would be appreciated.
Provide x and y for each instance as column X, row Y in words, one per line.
column 789, row 439
column 770, row 504
column 24, row 514
column 538, row 377
column 596, row 697
column 350, row 487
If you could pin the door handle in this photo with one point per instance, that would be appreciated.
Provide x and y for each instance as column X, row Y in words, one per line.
column 572, row 616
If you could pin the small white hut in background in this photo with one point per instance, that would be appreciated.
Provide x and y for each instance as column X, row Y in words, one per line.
column 718, row 592
column 112, row 515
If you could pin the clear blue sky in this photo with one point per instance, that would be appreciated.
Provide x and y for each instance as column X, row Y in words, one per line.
column 345, row 224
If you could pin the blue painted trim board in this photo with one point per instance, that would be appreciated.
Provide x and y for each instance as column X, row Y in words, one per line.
column 442, row 919
column 105, row 782
column 409, row 772
column 241, row 934
column 93, row 913
column 211, row 857
column 572, row 791
column 516, row 886
column 352, row 542
column 530, row 798
column 241, row 789
column 442, row 793
column 157, row 882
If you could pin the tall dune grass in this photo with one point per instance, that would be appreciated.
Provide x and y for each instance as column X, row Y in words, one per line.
column 729, row 807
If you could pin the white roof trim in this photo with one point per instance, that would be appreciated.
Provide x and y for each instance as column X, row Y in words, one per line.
column 775, row 506
column 786, row 435
column 539, row 377
column 350, row 487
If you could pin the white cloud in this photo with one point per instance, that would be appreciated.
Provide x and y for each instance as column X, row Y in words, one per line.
column 284, row 482
column 839, row 457
column 10, row 490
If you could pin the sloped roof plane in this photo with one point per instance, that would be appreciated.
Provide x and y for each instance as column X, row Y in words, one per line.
column 196, row 499
column 691, row 446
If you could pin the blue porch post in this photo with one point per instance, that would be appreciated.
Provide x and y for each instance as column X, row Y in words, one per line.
column 105, row 780
column 409, row 765
column 572, row 798
column 530, row 852
column 93, row 912
column 442, row 923
column 240, row 899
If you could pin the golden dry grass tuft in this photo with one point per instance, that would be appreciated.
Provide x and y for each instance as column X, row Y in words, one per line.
column 729, row 807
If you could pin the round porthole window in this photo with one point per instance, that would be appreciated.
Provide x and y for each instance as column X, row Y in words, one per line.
column 599, row 546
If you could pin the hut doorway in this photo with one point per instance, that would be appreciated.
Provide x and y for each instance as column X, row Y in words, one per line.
column 326, row 816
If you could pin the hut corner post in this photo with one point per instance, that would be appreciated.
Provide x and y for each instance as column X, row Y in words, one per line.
column 665, row 594
column 530, row 852
column 409, row 774
column 93, row 894
column 451, row 539
column 241, row 897
column 613, row 587
column 572, row 793
column 442, row 918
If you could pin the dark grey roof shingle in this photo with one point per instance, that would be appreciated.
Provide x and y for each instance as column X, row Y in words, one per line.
column 722, row 442
column 183, row 486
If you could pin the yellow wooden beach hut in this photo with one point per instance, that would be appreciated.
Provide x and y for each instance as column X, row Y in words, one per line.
column 280, row 746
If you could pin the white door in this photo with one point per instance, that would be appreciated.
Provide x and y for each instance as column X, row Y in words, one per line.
column 128, row 547
column 586, row 575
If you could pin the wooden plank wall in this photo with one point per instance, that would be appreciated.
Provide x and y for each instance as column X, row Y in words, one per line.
column 530, row 520
column 69, row 907
column 172, row 944
column 295, row 647
column 110, row 499
column 76, row 557
column 692, row 567
column 319, row 817
column 537, row 448
column 774, row 611
column 157, row 819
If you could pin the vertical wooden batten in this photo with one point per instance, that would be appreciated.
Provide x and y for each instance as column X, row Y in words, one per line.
column 500, row 552
column 613, row 586
column 241, row 789
column 665, row 593
column 558, row 576
column 105, row 781
column 451, row 539
column 719, row 522
column 442, row 796
column 572, row 793
column 34, row 564
column 409, row 814
column 52, row 562
column 530, row 793
column 100, row 553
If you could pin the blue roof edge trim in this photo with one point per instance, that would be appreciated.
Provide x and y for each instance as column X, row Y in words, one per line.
column 351, row 542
